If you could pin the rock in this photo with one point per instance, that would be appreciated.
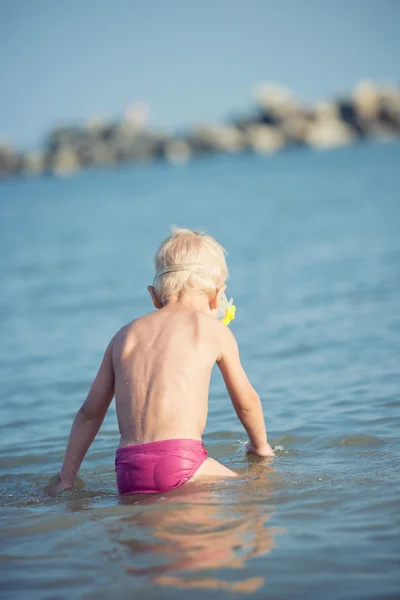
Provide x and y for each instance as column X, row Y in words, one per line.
column 177, row 152
column 348, row 115
column 34, row 163
column 96, row 125
column 328, row 133
column 265, row 139
column 10, row 160
column 217, row 138
column 275, row 102
column 63, row 137
column 381, row 132
column 326, row 110
column 64, row 162
column 372, row 111
column 140, row 147
column 366, row 100
column 102, row 154
column 295, row 128
column 136, row 116
column 390, row 107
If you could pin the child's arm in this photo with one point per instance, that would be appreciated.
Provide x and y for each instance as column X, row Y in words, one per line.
column 87, row 422
column 244, row 398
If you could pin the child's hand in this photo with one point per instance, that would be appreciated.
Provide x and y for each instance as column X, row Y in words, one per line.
column 265, row 450
column 55, row 485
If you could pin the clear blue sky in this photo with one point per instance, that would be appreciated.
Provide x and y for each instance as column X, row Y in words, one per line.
column 64, row 61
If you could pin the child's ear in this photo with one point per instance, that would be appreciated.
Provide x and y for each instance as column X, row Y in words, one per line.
column 154, row 297
column 214, row 301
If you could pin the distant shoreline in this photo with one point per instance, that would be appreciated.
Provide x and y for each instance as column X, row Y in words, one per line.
column 279, row 121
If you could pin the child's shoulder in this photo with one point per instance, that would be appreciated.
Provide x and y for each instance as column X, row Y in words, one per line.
column 126, row 329
column 217, row 330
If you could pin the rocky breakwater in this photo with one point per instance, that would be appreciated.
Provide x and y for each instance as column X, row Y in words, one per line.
column 278, row 121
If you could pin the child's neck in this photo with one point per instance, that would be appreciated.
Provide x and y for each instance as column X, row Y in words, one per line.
column 198, row 302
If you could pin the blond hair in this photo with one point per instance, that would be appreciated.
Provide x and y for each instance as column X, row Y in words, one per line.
column 189, row 261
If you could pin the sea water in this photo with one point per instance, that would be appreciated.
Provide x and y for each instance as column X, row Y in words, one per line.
column 314, row 257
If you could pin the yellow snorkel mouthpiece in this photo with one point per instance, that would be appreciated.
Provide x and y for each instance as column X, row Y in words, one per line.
column 227, row 310
column 230, row 314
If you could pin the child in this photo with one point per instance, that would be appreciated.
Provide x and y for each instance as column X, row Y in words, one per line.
column 159, row 369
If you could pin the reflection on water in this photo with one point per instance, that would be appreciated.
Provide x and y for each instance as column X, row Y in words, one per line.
column 180, row 539
column 189, row 536
column 203, row 535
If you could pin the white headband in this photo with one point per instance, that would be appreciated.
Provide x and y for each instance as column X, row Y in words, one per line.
column 190, row 267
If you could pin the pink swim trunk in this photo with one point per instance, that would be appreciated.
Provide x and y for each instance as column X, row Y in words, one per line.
column 158, row 466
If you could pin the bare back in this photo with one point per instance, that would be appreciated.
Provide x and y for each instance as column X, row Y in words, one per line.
column 162, row 364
